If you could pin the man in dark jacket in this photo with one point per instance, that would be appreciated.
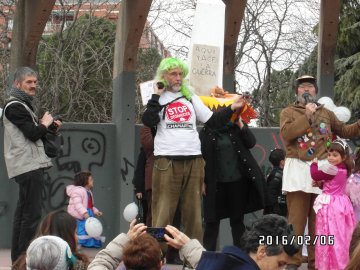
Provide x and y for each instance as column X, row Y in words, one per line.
column 234, row 183
column 25, row 156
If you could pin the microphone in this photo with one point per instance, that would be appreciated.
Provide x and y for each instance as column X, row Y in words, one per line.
column 160, row 85
column 306, row 97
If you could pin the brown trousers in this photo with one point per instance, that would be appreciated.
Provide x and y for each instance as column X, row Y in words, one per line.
column 178, row 183
column 300, row 208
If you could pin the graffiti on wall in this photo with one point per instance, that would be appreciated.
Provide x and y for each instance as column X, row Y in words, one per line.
column 126, row 171
column 82, row 150
column 264, row 146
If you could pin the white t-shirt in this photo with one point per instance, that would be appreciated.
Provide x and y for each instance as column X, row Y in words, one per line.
column 177, row 135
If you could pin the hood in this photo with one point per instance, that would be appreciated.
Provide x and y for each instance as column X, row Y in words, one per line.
column 71, row 189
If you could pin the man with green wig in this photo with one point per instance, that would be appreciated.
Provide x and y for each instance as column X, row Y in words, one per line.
column 178, row 172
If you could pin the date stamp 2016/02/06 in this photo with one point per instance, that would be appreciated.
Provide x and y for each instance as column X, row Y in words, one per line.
column 284, row 240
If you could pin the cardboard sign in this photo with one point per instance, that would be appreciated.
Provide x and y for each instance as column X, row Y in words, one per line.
column 204, row 68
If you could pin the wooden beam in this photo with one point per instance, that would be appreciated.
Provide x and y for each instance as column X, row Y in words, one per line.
column 131, row 22
column 29, row 23
column 234, row 13
column 328, row 28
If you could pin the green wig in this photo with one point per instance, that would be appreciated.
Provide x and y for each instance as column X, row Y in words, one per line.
column 168, row 64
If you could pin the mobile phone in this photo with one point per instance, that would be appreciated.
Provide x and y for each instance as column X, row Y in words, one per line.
column 157, row 232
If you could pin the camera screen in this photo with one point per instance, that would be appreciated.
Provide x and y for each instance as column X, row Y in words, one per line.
column 157, row 233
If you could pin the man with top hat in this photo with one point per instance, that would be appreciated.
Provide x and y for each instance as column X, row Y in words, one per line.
column 307, row 129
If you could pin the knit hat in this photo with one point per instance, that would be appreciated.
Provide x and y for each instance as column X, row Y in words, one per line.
column 305, row 79
column 49, row 252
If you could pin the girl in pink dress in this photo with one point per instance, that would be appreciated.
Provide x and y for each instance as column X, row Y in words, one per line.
column 335, row 218
column 353, row 186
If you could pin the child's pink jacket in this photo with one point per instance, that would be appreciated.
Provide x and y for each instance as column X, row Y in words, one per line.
column 78, row 201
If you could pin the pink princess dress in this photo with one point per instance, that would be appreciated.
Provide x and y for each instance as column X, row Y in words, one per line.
column 353, row 190
column 335, row 218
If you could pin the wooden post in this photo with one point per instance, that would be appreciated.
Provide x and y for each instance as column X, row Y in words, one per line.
column 328, row 28
column 131, row 22
column 29, row 23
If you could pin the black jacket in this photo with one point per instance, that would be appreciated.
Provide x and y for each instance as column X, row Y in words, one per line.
column 139, row 174
column 242, row 139
column 273, row 184
column 275, row 202
column 231, row 258
column 20, row 117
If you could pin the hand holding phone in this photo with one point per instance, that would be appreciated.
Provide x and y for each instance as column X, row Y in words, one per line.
column 157, row 232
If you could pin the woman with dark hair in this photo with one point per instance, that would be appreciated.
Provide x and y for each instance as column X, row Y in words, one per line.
column 58, row 223
column 234, row 184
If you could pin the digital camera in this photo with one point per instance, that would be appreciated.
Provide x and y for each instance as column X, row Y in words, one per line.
column 53, row 126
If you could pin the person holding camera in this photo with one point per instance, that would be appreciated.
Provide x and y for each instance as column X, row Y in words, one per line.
column 124, row 246
column 25, row 156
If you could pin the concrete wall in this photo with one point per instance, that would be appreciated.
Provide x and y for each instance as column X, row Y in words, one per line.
column 92, row 147
column 86, row 147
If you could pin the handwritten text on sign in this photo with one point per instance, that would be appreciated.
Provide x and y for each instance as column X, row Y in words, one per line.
column 204, row 68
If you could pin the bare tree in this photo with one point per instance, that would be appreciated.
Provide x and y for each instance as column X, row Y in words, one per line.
column 173, row 21
column 75, row 62
column 274, row 35
column 277, row 38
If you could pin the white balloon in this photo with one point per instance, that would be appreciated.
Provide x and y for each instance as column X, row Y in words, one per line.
column 93, row 227
column 342, row 113
column 130, row 212
column 327, row 102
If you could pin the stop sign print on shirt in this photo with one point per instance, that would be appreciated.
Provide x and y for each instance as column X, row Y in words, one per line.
column 178, row 112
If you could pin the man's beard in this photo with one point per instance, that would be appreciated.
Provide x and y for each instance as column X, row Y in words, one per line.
column 302, row 100
column 174, row 88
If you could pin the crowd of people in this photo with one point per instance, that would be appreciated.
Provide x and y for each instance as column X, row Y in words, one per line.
column 181, row 173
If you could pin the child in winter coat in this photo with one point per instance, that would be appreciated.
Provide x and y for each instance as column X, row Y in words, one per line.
column 81, row 206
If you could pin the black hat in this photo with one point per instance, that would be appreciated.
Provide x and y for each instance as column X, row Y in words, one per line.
column 305, row 79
